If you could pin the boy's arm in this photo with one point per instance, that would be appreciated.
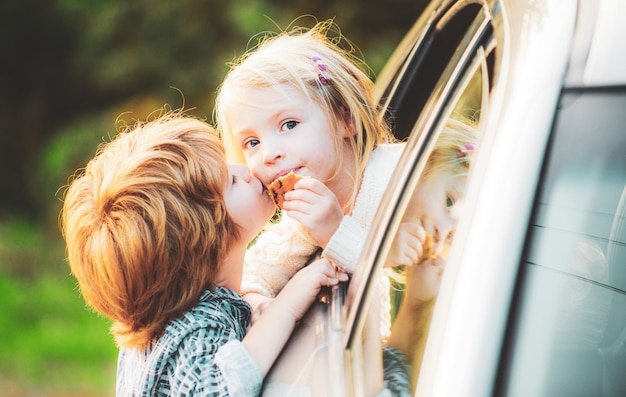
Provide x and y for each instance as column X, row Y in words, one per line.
column 271, row 331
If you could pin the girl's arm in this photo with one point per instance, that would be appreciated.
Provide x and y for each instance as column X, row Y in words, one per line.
column 278, row 254
column 271, row 331
column 346, row 244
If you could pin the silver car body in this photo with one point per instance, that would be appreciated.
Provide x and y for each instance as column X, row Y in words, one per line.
column 547, row 46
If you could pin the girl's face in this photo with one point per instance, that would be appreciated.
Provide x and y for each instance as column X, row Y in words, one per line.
column 279, row 129
column 437, row 203
column 247, row 201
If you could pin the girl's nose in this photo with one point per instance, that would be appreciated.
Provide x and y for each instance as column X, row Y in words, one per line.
column 271, row 152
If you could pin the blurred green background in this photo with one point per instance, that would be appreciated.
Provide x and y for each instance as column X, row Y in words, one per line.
column 71, row 72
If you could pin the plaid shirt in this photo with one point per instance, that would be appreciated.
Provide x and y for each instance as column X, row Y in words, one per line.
column 200, row 354
column 396, row 373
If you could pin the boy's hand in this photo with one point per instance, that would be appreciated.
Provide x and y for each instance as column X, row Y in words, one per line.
column 314, row 205
column 302, row 289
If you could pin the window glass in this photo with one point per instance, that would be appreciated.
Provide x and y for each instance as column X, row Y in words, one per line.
column 413, row 254
column 569, row 334
column 407, row 93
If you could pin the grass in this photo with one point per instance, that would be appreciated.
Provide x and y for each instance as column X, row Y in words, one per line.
column 52, row 345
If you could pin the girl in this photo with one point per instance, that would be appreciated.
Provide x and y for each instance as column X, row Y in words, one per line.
column 156, row 230
column 299, row 102
column 437, row 202
column 435, row 207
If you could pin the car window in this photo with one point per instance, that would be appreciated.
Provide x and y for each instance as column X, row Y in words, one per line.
column 411, row 77
column 567, row 335
column 445, row 129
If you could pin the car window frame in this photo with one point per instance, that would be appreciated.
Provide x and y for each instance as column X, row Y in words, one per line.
column 475, row 51
column 432, row 114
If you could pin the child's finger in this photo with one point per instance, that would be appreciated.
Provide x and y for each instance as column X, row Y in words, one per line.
column 312, row 184
column 330, row 280
column 341, row 276
column 417, row 230
column 302, row 195
column 328, row 270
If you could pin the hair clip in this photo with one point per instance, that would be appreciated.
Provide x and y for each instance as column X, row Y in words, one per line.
column 464, row 151
column 321, row 66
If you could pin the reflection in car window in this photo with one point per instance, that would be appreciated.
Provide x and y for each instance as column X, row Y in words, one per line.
column 418, row 244
column 434, row 210
column 438, row 102
column 569, row 335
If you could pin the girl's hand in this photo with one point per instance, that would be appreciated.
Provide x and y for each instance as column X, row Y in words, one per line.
column 302, row 289
column 408, row 245
column 314, row 205
column 423, row 280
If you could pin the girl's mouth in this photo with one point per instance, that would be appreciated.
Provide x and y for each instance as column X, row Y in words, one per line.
column 285, row 172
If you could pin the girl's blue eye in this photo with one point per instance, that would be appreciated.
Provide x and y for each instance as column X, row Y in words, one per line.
column 250, row 143
column 289, row 125
column 449, row 202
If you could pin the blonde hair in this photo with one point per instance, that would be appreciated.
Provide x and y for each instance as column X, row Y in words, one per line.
column 146, row 225
column 450, row 154
column 286, row 58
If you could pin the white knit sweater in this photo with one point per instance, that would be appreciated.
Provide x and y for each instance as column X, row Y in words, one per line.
column 285, row 247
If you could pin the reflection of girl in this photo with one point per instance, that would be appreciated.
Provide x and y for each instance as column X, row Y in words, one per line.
column 438, row 199
column 299, row 102
column 434, row 211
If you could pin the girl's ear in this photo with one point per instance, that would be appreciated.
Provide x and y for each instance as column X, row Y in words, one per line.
column 347, row 126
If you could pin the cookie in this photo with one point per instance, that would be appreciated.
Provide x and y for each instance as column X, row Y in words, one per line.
column 427, row 247
column 282, row 185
